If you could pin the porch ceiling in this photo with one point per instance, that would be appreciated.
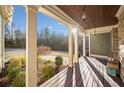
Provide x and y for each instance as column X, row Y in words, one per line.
column 96, row 15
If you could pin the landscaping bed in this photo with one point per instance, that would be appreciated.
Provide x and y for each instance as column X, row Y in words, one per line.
column 48, row 68
column 13, row 75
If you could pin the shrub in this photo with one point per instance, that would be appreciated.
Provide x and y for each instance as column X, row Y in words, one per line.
column 58, row 61
column 23, row 60
column 15, row 62
column 12, row 74
column 48, row 71
column 49, row 62
column 43, row 50
column 20, row 80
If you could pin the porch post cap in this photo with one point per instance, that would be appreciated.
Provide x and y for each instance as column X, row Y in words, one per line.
column 32, row 8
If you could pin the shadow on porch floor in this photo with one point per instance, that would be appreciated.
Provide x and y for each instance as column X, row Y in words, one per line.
column 89, row 72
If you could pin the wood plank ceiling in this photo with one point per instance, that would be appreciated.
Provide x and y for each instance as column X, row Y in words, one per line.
column 96, row 15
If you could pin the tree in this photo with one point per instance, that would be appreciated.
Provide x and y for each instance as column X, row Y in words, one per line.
column 52, row 39
column 15, row 40
column 47, row 35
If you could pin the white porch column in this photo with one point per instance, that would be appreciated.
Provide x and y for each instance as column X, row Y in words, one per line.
column 31, row 47
column 89, row 45
column 6, row 13
column 84, row 44
column 3, row 43
column 1, row 61
column 70, row 46
column 2, row 47
column 76, row 45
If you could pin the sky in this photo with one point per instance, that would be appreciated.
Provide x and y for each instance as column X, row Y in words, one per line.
column 43, row 21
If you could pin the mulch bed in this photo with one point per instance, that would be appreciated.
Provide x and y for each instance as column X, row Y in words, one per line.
column 3, row 79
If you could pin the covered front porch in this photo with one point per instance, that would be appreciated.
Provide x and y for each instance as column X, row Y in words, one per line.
column 88, row 21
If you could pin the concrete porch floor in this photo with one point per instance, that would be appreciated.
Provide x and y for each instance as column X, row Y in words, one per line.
column 89, row 72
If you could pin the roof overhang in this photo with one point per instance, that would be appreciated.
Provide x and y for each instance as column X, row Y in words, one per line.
column 56, row 13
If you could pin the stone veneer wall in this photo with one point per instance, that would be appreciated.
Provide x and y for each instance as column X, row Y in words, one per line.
column 115, row 47
column 121, row 42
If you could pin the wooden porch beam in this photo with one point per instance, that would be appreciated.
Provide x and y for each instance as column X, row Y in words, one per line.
column 99, row 30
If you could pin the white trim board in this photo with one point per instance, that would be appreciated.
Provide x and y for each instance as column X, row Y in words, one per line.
column 99, row 30
column 99, row 56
